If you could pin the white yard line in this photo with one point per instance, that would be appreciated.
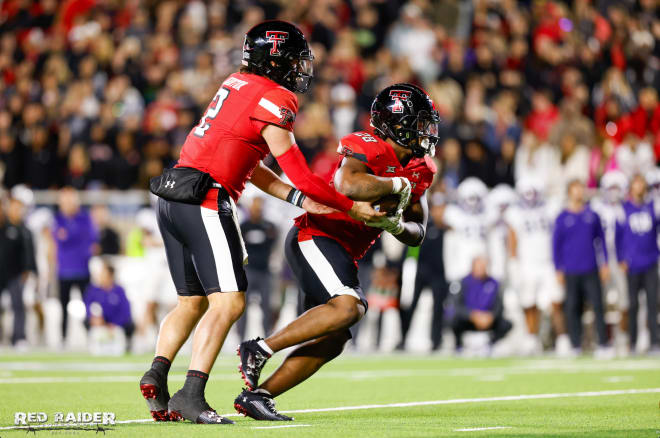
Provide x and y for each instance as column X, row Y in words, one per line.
column 432, row 403
column 494, row 374
column 281, row 427
column 478, row 429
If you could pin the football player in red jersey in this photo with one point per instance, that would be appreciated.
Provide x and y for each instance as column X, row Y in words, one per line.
column 251, row 115
column 322, row 249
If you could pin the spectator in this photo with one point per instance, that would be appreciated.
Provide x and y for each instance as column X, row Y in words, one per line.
column 479, row 305
column 646, row 118
column 108, row 239
column 106, row 303
column 579, row 251
column 637, row 252
column 634, row 156
column 260, row 236
column 543, row 116
column 536, row 159
column 75, row 236
column 574, row 159
column 17, row 257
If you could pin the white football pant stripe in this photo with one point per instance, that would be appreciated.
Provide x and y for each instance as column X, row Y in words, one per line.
column 221, row 253
column 324, row 271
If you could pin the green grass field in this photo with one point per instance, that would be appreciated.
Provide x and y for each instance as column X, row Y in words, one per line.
column 382, row 395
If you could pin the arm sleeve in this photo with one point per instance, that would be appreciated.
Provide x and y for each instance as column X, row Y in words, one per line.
column 294, row 165
column 276, row 107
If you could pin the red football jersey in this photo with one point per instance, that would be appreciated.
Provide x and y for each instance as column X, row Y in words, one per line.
column 227, row 142
column 379, row 157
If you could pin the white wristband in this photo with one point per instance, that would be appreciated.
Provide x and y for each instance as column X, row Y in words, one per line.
column 397, row 184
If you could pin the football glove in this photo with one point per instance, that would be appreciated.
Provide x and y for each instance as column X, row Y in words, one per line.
column 391, row 224
column 401, row 186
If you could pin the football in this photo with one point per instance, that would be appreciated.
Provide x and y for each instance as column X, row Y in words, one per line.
column 387, row 204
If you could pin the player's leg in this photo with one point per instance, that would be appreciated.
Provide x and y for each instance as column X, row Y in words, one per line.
column 323, row 267
column 499, row 329
column 530, row 292
column 651, row 288
column 407, row 312
column 224, row 309
column 265, row 288
column 633, row 308
column 594, row 292
column 328, row 278
column 65, row 295
column 440, row 289
column 301, row 364
column 304, row 361
column 179, row 322
column 216, row 247
column 527, row 293
column 15, row 288
column 573, row 309
column 191, row 305
column 459, row 326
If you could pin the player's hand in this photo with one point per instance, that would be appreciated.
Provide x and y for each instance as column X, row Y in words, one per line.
column 605, row 274
column 624, row 267
column 481, row 320
column 560, row 278
column 401, row 186
column 364, row 212
column 313, row 207
column 391, row 224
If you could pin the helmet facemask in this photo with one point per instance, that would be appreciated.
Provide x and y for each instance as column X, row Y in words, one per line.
column 417, row 133
column 299, row 77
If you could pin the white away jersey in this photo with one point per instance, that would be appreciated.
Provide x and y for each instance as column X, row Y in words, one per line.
column 464, row 241
column 533, row 227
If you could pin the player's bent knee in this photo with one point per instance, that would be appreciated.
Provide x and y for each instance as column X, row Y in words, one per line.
column 349, row 309
column 193, row 304
column 232, row 303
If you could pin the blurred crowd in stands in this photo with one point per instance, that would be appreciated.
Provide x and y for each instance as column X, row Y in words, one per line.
column 100, row 94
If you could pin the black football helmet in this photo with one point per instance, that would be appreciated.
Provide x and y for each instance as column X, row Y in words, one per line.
column 407, row 115
column 279, row 51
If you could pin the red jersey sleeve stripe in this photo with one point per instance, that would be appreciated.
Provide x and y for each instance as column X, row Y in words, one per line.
column 270, row 107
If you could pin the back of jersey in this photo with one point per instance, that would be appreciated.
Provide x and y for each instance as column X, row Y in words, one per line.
column 227, row 141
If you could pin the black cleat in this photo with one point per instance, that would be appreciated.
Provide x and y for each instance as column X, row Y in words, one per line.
column 253, row 359
column 154, row 390
column 194, row 409
column 259, row 406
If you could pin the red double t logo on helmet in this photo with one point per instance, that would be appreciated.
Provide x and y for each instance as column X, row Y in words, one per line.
column 276, row 37
column 399, row 96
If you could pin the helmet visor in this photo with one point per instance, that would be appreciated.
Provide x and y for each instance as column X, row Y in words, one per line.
column 427, row 128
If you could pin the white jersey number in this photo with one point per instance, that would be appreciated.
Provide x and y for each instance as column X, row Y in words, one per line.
column 211, row 112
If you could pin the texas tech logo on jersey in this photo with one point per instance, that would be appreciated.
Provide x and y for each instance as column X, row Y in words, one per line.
column 286, row 116
column 276, row 37
column 399, row 96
